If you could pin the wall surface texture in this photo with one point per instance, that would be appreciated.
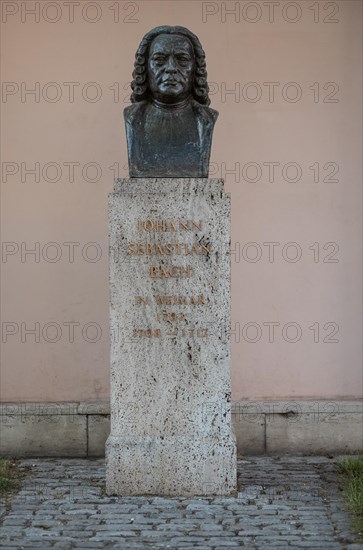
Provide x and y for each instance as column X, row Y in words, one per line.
column 286, row 80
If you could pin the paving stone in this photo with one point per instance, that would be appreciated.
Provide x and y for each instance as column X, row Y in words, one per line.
column 87, row 544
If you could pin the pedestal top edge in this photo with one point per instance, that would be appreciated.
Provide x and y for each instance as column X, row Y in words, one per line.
column 166, row 184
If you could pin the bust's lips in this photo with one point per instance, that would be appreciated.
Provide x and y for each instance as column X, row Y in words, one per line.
column 170, row 82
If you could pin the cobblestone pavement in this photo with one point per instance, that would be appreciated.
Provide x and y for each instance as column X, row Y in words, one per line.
column 287, row 502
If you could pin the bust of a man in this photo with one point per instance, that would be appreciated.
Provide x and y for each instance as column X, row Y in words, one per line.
column 169, row 125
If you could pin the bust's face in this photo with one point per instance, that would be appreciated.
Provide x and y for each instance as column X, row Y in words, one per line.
column 170, row 68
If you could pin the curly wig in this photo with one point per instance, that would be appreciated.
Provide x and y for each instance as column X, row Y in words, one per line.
column 139, row 84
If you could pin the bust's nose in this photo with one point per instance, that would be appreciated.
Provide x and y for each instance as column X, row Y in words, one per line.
column 170, row 66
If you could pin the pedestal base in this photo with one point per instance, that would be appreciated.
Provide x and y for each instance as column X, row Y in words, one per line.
column 170, row 466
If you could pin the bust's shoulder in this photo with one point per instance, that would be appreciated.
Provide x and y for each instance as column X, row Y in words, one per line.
column 134, row 110
column 206, row 113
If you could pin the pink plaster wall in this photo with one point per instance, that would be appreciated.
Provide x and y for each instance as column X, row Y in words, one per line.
column 309, row 292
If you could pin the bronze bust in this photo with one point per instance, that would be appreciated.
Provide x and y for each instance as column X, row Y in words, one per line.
column 169, row 125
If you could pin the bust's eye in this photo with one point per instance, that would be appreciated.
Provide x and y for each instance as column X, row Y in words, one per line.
column 183, row 61
column 159, row 60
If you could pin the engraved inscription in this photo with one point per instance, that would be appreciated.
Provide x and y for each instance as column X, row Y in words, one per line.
column 168, row 249
column 163, row 314
column 169, row 225
column 173, row 271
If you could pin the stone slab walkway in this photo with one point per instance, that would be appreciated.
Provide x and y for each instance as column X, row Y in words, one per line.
column 283, row 502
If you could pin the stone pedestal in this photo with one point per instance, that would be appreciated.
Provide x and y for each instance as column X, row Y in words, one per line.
column 170, row 339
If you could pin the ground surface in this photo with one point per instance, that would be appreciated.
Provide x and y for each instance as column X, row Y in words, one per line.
column 287, row 502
